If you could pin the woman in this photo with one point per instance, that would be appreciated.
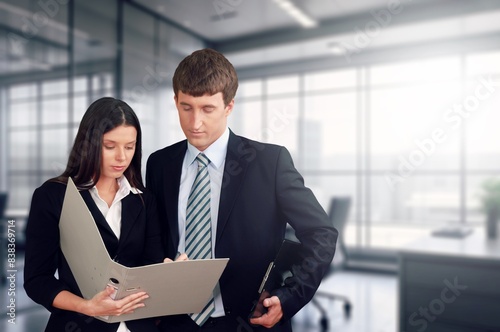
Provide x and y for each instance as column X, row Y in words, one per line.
column 105, row 164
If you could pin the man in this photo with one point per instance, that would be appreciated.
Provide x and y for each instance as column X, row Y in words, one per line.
column 253, row 191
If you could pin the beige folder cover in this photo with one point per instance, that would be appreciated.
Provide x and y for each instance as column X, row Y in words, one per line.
column 173, row 288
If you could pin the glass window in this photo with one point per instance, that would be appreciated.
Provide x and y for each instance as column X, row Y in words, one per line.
column 330, row 80
column 282, row 84
column 23, row 91
column 23, row 114
column 281, row 124
column 55, row 87
column 426, row 70
column 21, row 188
column 80, row 84
column 23, row 150
column 148, row 140
column 55, row 111
column 475, row 212
column 252, row 88
column 102, row 82
column 408, row 129
column 480, row 64
column 329, row 132
column 412, row 208
column 327, row 187
column 246, row 119
column 80, row 105
column 416, row 200
column 55, row 150
column 481, row 119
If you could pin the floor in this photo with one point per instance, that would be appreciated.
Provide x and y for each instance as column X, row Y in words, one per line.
column 373, row 297
column 29, row 317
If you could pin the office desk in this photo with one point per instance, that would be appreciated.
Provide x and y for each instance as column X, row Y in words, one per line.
column 450, row 285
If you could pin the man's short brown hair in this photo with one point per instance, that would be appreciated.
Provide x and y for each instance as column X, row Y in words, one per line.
column 206, row 71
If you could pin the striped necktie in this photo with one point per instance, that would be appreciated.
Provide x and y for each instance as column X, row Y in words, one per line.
column 198, row 226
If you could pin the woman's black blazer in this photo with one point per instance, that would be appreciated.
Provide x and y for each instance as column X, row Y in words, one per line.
column 139, row 244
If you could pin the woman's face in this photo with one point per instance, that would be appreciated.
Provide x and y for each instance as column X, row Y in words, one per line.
column 118, row 148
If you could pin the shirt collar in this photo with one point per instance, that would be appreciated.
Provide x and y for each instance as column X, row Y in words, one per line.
column 216, row 152
column 124, row 187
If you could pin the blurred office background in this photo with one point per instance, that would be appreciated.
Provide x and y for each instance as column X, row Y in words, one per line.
column 394, row 104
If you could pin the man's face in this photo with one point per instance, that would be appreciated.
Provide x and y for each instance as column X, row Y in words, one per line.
column 203, row 119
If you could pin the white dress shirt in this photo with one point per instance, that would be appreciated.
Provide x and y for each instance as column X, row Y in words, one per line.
column 216, row 152
column 113, row 214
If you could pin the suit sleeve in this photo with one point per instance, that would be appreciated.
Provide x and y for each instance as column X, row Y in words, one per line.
column 42, row 248
column 153, row 251
column 314, row 230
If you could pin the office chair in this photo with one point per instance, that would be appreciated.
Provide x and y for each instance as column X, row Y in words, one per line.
column 338, row 213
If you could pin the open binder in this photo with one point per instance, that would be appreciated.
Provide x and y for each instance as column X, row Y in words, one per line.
column 173, row 288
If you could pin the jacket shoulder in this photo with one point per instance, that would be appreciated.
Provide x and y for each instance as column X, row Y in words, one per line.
column 51, row 188
column 242, row 144
column 169, row 151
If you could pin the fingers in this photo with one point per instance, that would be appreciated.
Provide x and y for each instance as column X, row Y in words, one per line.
column 128, row 304
column 270, row 301
column 105, row 294
column 103, row 303
column 182, row 257
column 273, row 315
column 178, row 258
column 133, row 298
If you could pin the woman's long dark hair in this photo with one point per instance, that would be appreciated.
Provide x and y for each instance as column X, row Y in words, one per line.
column 84, row 163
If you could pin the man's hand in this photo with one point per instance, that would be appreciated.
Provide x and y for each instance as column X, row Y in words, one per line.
column 180, row 257
column 272, row 316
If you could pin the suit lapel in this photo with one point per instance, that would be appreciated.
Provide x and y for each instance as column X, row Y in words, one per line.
column 109, row 238
column 96, row 213
column 131, row 207
column 234, row 172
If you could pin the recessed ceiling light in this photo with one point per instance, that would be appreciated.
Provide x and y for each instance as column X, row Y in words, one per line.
column 336, row 48
column 299, row 15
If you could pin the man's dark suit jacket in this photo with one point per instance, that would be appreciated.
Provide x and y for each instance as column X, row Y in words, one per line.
column 139, row 244
column 261, row 192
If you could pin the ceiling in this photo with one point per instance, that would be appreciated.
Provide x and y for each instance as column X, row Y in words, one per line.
column 252, row 32
column 259, row 34
column 219, row 20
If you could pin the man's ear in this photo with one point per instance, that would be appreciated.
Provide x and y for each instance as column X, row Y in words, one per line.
column 229, row 107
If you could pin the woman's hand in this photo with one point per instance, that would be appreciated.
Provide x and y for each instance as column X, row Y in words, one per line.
column 102, row 304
